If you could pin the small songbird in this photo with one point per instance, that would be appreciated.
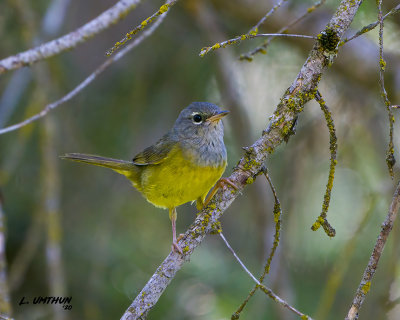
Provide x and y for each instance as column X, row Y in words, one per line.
column 181, row 167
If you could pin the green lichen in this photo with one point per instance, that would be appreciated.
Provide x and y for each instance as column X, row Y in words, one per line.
column 328, row 39
column 382, row 64
column 185, row 249
column 249, row 180
column 321, row 220
column 164, row 8
column 216, row 227
column 250, row 163
column 365, row 288
column 254, row 32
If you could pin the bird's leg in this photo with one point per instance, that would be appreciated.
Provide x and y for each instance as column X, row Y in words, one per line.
column 172, row 215
column 220, row 184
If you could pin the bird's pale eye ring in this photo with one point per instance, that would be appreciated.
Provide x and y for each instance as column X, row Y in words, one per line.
column 197, row 118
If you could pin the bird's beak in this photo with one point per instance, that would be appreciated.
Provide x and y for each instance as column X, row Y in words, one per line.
column 217, row 117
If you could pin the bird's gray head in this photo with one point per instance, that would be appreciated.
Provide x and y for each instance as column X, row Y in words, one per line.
column 200, row 120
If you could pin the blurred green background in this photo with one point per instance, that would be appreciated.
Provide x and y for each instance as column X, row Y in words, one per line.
column 111, row 240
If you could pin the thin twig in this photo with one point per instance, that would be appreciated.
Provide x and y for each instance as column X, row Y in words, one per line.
column 238, row 260
column 262, row 49
column 322, row 220
column 70, row 40
column 370, row 270
column 265, row 289
column 390, row 159
column 242, row 37
column 164, row 8
column 254, row 30
column 371, row 26
column 278, row 220
column 85, row 82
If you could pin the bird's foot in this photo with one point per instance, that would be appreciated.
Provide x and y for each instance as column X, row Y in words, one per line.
column 226, row 181
column 176, row 248
column 221, row 183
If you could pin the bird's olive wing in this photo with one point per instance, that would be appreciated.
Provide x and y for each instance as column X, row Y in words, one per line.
column 156, row 153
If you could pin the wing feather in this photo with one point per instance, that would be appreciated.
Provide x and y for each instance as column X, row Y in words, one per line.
column 156, row 153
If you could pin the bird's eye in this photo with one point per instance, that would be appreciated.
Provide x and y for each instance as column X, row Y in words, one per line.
column 197, row 118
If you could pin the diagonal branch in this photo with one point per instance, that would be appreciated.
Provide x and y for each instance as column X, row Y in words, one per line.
column 281, row 122
column 70, row 40
column 265, row 289
column 370, row 270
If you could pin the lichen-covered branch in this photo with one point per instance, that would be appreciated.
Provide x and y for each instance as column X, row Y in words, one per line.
column 85, row 82
column 70, row 40
column 281, row 122
column 144, row 24
column 370, row 270
column 390, row 159
column 322, row 219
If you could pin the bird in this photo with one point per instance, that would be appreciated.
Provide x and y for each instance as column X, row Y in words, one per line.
column 180, row 167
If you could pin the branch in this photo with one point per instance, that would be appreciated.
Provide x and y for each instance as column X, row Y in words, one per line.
column 242, row 37
column 263, row 48
column 372, row 26
column 267, row 15
column 164, row 8
column 70, row 40
column 265, row 289
column 370, row 270
column 390, row 159
column 87, row 81
column 281, row 122
column 322, row 220
column 278, row 221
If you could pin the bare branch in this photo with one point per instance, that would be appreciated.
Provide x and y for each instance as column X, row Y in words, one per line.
column 262, row 49
column 265, row 289
column 278, row 221
column 238, row 259
column 70, row 40
column 85, row 82
column 292, row 103
column 263, row 19
column 372, row 26
column 370, row 270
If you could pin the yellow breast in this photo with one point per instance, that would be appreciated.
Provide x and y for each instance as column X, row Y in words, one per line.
column 178, row 180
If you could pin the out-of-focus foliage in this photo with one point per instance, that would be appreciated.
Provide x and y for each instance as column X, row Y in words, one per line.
column 112, row 239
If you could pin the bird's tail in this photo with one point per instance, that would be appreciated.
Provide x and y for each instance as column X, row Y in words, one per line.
column 126, row 168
